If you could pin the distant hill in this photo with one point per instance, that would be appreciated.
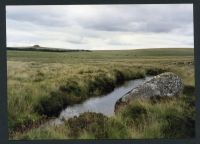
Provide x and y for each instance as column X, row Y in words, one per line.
column 44, row 49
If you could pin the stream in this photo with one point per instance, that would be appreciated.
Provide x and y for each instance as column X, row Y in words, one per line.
column 103, row 104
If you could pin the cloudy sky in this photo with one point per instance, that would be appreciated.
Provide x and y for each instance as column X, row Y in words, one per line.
column 98, row 27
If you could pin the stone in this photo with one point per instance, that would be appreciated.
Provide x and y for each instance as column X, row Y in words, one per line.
column 164, row 85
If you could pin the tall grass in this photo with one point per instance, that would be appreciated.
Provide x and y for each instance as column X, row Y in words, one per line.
column 41, row 84
column 171, row 118
column 166, row 118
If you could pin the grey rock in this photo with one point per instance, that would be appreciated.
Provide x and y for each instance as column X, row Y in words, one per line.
column 164, row 85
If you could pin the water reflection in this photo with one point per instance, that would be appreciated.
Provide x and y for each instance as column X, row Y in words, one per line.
column 103, row 104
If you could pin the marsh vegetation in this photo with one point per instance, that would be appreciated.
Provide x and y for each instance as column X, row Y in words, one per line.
column 42, row 84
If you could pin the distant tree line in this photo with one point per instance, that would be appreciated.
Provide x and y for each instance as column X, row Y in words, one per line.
column 44, row 49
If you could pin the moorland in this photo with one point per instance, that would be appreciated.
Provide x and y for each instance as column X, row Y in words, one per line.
column 41, row 84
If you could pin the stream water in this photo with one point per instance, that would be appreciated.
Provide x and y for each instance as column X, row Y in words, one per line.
column 103, row 104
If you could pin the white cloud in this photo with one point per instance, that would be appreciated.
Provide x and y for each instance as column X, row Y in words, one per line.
column 101, row 26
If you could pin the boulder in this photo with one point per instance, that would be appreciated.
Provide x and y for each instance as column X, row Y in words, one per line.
column 164, row 85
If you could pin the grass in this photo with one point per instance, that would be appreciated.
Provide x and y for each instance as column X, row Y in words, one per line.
column 172, row 118
column 41, row 84
column 166, row 118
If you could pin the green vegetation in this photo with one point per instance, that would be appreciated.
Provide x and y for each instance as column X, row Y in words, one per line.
column 41, row 84
column 171, row 118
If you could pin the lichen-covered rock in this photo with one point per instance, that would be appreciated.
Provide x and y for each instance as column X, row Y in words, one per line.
column 164, row 85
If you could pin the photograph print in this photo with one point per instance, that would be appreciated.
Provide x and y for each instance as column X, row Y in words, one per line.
column 100, row 71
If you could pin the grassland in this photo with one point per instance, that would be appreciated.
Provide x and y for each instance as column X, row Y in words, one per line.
column 41, row 84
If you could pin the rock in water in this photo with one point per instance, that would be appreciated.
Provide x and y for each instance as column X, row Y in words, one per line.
column 164, row 85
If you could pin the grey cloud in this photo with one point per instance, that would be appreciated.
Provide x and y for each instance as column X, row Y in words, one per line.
column 142, row 19
column 118, row 43
column 79, row 24
column 132, row 18
column 76, row 41
column 35, row 16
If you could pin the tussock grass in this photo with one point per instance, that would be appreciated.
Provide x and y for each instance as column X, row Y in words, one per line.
column 166, row 118
column 41, row 84
column 172, row 118
column 46, row 133
column 86, row 126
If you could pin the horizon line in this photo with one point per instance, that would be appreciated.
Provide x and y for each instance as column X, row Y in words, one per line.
column 97, row 49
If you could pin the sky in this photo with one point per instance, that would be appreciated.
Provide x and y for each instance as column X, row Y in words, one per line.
column 101, row 27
